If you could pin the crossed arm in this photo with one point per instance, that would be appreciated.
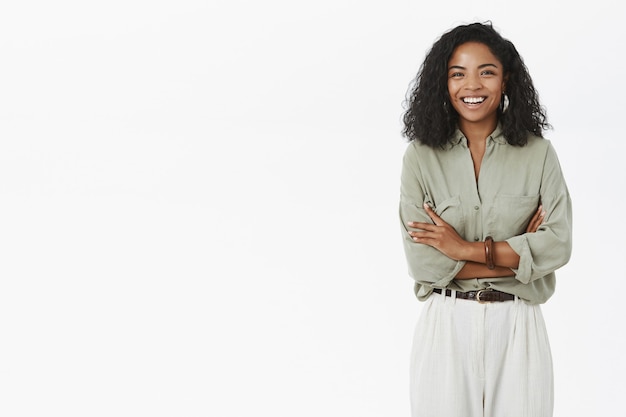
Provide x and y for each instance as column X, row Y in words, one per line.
column 446, row 240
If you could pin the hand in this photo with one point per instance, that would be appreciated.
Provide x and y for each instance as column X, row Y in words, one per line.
column 536, row 220
column 440, row 235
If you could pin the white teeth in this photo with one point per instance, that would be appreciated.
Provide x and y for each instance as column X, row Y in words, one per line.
column 473, row 100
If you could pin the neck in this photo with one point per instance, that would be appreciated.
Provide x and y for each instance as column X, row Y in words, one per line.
column 477, row 132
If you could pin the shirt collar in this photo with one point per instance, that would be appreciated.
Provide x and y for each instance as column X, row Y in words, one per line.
column 459, row 138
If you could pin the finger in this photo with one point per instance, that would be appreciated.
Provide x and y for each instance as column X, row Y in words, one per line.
column 536, row 220
column 532, row 226
column 423, row 237
column 431, row 213
column 541, row 218
column 429, row 231
column 538, row 217
column 537, row 213
column 421, row 225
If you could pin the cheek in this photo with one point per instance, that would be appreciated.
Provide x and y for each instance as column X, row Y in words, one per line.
column 452, row 93
column 498, row 88
column 451, row 89
column 456, row 105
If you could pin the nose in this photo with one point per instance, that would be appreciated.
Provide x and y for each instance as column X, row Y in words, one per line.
column 473, row 82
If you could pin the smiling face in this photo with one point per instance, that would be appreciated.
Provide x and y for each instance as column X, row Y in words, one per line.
column 475, row 85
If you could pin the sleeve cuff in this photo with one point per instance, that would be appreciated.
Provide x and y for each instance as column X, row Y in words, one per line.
column 447, row 279
column 524, row 270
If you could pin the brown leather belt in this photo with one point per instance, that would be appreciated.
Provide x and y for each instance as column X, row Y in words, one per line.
column 482, row 296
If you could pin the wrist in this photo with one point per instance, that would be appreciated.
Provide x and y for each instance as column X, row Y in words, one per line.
column 474, row 252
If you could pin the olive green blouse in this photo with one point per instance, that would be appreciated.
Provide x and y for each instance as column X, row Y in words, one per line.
column 513, row 181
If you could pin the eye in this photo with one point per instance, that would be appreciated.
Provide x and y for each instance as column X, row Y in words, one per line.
column 456, row 75
column 487, row 72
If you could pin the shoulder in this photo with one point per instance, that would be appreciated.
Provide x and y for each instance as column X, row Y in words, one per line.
column 538, row 152
column 418, row 157
column 537, row 141
column 417, row 150
column 536, row 145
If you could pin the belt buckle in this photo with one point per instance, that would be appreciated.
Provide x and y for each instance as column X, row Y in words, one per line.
column 479, row 292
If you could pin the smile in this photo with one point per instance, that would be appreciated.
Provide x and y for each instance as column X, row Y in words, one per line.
column 473, row 100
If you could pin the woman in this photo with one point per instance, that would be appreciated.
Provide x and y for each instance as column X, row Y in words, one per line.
column 486, row 220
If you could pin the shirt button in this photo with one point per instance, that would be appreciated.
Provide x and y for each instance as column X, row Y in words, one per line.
column 476, row 207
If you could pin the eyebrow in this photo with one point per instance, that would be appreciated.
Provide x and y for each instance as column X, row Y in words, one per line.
column 479, row 67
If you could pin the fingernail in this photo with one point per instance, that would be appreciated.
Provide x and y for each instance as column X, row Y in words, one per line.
column 426, row 206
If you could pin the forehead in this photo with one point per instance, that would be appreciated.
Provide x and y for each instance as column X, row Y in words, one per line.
column 473, row 53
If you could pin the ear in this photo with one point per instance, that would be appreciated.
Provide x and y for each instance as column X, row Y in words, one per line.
column 504, row 81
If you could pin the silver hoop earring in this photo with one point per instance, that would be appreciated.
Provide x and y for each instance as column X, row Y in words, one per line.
column 505, row 102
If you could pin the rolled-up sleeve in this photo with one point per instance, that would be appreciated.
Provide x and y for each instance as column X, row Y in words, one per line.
column 548, row 249
column 426, row 264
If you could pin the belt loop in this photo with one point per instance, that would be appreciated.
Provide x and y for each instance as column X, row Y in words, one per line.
column 453, row 296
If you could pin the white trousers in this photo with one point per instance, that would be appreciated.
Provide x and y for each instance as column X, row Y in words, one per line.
column 480, row 360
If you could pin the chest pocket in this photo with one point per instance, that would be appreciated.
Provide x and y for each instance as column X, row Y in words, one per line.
column 510, row 214
column 451, row 212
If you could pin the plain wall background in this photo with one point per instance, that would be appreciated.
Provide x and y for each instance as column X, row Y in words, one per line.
column 198, row 203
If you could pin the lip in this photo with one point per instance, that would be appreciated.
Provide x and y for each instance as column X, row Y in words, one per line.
column 475, row 104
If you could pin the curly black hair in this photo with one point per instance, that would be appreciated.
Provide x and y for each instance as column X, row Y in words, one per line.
column 430, row 117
